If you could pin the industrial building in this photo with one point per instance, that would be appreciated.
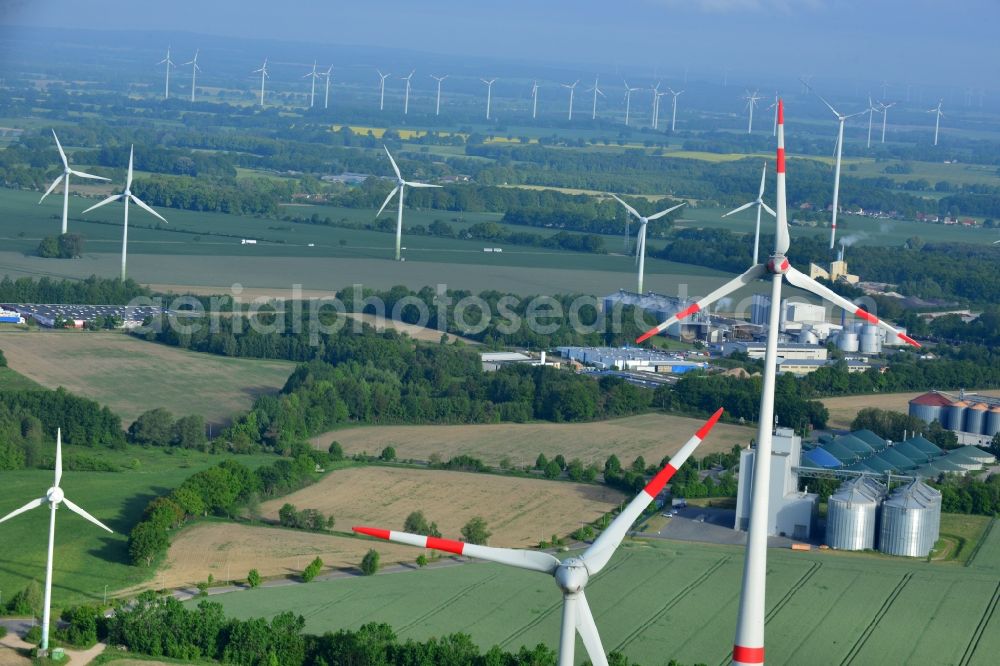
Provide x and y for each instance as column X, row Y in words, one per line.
column 10, row 316
column 77, row 315
column 975, row 419
column 801, row 367
column 790, row 512
column 702, row 325
column 837, row 271
column 493, row 361
column 630, row 359
column 786, row 350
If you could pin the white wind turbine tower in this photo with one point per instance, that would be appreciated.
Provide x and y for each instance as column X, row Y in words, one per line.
column 400, row 187
column 534, row 100
column 169, row 63
column 125, row 196
column 628, row 100
column 752, row 100
column 54, row 496
column 315, row 75
column 640, row 243
column 573, row 573
column 872, row 110
column 194, row 71
column 263, row 77
column 437, row 106
column 489, row 95
column 836, row 167
column 572, row 89
column 406, row 97
column 673, row 114
column 597, row 91
column 748, row 649
column 937, row 119
column 774, row 132
column 64, row 178
column 381, row 89
column 885, row 114
column 328, row 75
column 656, row 104
column 759, row 202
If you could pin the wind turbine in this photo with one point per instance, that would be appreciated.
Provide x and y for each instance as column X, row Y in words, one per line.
column 534, row 100
column 126, row 196
column 597, row 91
column 326, row 95
column 885, row 114
column 406, row 97
column 437, row 106
column 573, row 573
column 774, row 132
column 640, row 243
column 748, row 649
column 263, row 76
column 64, row 177
column 194, row 71
column 872, row 109
column 315, row 75
column 752, row 100
column 759, row 202
column 54, row 496
column 836, row 168
column 381, row 89
column 937, row 119
column 673, row 115
column 400, row 187
column 489, row 95
column 169, row 63
column 628, row 100
column 572, row 89
column 656, row 104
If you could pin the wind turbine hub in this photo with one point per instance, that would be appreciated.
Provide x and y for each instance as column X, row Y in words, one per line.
column 54, row 495
column 572, row 576
column 127, row 193
column 778, row 264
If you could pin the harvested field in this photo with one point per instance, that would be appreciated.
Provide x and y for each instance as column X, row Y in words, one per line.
column 131, row 376
column 520, row 512
column 844, row 409
column 649, row 435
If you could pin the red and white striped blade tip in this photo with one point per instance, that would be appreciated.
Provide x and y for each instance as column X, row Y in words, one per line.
column 372, row 532
column 872, row 319
column 687, row 312
column 709, row 424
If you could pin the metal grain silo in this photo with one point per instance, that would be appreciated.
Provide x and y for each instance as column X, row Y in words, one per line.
column 910, row 521
column 852, row 515
column 808, row 337
column 930, row 407
column 871, row 340
column 992, row 426
column 975, row 418
column 955, row 415
column 848, row 342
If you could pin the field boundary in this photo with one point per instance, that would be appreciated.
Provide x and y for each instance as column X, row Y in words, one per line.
column 870, row 629
column 979, row 544
column 977, row 635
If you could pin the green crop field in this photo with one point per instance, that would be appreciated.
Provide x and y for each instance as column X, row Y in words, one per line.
column 88, row 558
column 659, row 600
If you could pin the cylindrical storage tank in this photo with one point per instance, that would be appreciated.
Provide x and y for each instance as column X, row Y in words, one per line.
column 852, row 516
column 975, row 418
column 955, row 415
column 871, row 340
column 847, row 342
column 806, row 336
column 909, row 522
column 992, row 426
column 928, row 413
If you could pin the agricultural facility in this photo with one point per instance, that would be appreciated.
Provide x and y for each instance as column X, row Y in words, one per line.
column 974, row 418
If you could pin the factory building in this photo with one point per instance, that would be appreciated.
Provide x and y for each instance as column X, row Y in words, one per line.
column 630, row 359
column 702, row 325
column 802, row 367
column 78, row 315
column 790, row 512
column 10, row 316
column 786, row 350
column 975, row 419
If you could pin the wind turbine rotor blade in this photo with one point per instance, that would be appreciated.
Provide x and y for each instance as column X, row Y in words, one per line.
column 113, row 197
column 88, row 175
column 808, row 284
column 600, row 552
column 740, row 209
column 138, row 202
column 627, row 207
column 587, row 628
column 829, row 106
column 768, row 209
column 53, row 186
column 640, row 244
column 763, row 176
column 62, row 154
column 859, row 113
column 77, row 510
column 409, row 184
column 522, row 559
column 781, row 238
column 394, row 167
column 58, row 456
column 387, row 200
column 657, row 216
column 128, row 179
column 753, row 273
column 33, row 504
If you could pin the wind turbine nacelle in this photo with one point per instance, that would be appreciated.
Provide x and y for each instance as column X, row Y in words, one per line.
column 572, row 575
column 54, row 495
column 778, row 265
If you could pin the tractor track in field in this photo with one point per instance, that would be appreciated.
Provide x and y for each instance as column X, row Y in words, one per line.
column 870, row 629
column 977, row 635
column 792, row 590
column 447, row 602
column 676, row 599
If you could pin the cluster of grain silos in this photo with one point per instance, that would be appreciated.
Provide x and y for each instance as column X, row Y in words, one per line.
column 861, row 337
column 979, row 415
column 860, row 516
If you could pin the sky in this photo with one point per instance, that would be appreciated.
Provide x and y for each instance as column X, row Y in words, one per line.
column 939, row 42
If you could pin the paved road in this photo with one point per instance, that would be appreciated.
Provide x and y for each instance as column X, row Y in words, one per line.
column 708, row 525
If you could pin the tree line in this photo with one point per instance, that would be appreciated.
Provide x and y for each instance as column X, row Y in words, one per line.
column 91, row 291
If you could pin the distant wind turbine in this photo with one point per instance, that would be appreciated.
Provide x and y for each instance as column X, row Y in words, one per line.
column 937, row 119
column 381, row 89
column 64, row 177
column 640, row 243
column 597, row 91
column 534, row 100
column 126, row 196
column 263, row 77
column 169, row 63
column 194, row 71
column 752, row 100
column 885, row 114
column 437, row 106
column 406, row 97
column 774, row 106
column 628, row 100
column 759, row 202
column 400, row 187
column 872, row 109
column 656, row 104
column 572, row 89
column 489, row 95
column 312, row 93
column 328, row 75
column 673, row 115
column 54, row 496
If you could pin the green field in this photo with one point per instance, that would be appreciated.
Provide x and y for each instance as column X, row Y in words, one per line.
column 11, row 380
column 659, row 600
column 88, row 558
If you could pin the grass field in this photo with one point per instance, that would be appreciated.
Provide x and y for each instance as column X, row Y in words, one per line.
column 660, row 600
column 11, row 380
column 532, row 510
column 844, row 409
column 649, row 435
column 131, row 376
column 89, row 558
